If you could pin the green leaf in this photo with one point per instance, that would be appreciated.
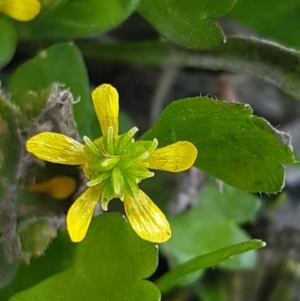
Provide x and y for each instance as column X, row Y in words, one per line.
column 61, row 63
column 226, row 203
column 213, row 224
column 50, row 6
column 109, row 264
column 272, row 19
column 268, row 61
column 187, row 23
column 233, row 145
column 170, row 279
column 8, row 41
column 79, row 18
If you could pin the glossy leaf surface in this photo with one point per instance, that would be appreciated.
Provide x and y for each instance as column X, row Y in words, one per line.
column 79, row 18
column 187, row 23
column 233, row 145
column 109, row 264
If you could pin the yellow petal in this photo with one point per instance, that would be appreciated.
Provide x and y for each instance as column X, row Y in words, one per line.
column 56, row 148
column 81, row 212
column 21, row 10
column 106, row 103
column 146, row 219
column 176, row 157
column 60, row 187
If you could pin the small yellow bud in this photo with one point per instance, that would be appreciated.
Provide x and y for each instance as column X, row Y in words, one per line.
column 60, row 187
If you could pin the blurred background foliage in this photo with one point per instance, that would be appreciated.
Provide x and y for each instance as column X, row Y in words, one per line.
column 161, row 56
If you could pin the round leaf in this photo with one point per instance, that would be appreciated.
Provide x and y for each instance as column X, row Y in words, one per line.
column 233, row 145
column 109, row 264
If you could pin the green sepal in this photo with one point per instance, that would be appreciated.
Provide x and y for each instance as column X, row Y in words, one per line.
column 136, row 150
column 107, row 194
column 98, row 178
column 149, row 145
column 139, row 172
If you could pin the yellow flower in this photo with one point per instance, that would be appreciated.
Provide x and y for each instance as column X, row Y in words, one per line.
column 21, row 10
column 114, row 166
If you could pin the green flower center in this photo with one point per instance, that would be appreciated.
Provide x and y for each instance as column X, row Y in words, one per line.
column 118, row 163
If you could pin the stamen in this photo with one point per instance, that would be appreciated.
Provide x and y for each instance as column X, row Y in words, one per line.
column 108, row 141
column 117, row 182
column 125, row 139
